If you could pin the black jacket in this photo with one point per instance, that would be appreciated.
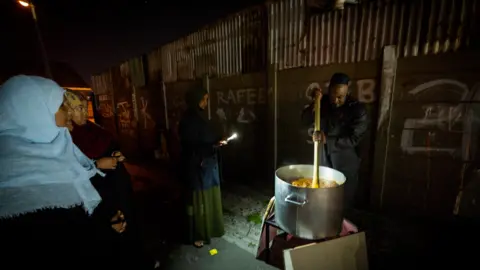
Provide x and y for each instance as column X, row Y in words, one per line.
column 344, row 127
column 199, row 153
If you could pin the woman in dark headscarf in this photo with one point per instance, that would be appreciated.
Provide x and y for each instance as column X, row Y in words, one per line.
column 200, row 175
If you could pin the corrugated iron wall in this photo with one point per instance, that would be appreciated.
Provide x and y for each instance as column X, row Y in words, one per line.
column 102, row 85
column 287, row 34
column 299, row 37
column 154, row 66
column 430, row 153
column 233, row 46
column 128, row 107
column 294, row 34
column 291, row 34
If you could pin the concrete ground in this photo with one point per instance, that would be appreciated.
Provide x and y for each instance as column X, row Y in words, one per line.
column 392, row 242
column 229, row 257
column 160, row 214
column 243, row 212
column 243, row 209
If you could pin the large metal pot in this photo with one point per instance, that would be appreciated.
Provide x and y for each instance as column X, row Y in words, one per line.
column 309, row 213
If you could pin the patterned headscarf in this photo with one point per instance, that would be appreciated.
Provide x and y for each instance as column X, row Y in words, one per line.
column 73, row 99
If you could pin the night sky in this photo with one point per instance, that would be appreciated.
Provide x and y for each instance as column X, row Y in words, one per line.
column 94, row 35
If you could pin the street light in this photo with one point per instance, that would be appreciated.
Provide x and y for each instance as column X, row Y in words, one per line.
column 39, row 35
column 23, row 3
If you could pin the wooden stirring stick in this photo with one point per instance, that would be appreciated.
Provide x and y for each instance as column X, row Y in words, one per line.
column 316, row 145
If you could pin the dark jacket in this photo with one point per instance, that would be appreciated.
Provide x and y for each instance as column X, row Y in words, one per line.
column 344, row 128
column 199, row 163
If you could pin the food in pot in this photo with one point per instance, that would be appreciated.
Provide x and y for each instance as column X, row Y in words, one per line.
column 307, row 183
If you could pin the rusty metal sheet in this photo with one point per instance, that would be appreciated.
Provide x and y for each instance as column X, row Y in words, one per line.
column 102, row 86
column 154, row 66
column 234, row 45
column 433, row 123
column 291, row 34
column 116, row 92
column 151, row 118
column 134, row 69
column 125, row 111
column 239, row 104
column 102, row 83
column 106, row 111
column 299, row 37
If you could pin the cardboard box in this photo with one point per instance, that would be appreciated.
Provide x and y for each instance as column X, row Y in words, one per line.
column 343, row 253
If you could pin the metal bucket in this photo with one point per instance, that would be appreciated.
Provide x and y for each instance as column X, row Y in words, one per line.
column 308, row 213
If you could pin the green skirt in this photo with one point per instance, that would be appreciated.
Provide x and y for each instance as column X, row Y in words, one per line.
column 205, row 215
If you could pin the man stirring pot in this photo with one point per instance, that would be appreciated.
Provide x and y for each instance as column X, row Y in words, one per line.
column 343, row 124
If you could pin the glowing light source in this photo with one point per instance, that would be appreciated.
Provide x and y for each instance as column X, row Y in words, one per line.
column 234, row 136
column 24, row 3
column 79, row 88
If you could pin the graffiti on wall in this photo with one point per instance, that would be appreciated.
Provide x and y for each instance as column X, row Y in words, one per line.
column 238, row 104
column 134, row 103
column 176, row 106
column 106, row 110
column 126, row 119
column 148, row 121
column 363, row 90
column 460, row 119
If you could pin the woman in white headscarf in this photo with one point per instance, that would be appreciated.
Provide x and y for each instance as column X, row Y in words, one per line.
column 46, row 197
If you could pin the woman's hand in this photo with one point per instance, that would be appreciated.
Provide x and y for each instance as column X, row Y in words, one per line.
column 119, row 156
column 222, row 142
column 118, row 222
column 107, row 163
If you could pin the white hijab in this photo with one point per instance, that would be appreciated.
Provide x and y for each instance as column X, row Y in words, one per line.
column 40, row 167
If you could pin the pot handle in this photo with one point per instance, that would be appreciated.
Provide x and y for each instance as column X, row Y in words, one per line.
column 289, row 199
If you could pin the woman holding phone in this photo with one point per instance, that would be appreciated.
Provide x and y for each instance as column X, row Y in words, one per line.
column 199, row 171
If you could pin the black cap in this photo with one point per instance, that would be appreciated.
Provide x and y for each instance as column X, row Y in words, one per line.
column 339, row 78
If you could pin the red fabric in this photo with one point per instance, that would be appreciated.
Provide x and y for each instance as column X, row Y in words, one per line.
column 92, row 139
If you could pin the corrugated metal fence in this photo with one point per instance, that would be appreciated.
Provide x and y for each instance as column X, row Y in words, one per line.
column 287, row 34
column 235, row 45
column 359, row 32
column 299, row 36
